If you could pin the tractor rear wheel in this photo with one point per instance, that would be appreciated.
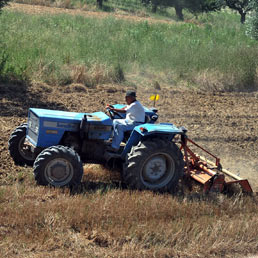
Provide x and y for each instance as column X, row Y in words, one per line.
column 58, row 166
column 20, row 152
column 154, row 164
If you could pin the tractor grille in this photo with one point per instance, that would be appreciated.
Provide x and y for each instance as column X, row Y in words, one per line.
column 33, row 127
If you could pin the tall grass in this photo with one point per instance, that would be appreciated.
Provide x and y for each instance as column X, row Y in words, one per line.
column 51, row 48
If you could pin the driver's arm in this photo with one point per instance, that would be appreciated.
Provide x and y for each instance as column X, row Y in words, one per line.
column 119, row 110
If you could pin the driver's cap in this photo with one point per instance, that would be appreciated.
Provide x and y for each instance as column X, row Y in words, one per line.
column 130, row 93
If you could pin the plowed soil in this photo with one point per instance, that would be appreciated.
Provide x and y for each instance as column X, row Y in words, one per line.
column 225, row 123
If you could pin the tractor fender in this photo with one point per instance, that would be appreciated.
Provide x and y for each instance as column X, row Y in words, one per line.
column 144, row 131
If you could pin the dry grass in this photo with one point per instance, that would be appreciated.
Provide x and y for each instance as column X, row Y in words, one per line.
column 35, row 2
column 89, row 76
column 37, row 221
column 92, row 76
column 216, row 81
column 58, row 3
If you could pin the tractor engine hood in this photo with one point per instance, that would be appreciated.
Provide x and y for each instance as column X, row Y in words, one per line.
column 46, row 127
column 69, row 118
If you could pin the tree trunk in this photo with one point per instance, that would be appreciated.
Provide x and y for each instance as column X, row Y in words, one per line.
column 243, row 17
column 154, row 8
column 179, row 12
column 100, row 3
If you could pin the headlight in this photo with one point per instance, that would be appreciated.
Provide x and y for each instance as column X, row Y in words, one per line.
column 36, row 130
column 33, row 123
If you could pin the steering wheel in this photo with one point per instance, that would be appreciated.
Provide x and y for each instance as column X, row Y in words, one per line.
column 113, row 113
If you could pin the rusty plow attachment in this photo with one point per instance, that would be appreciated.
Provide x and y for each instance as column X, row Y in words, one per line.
column 210, row 174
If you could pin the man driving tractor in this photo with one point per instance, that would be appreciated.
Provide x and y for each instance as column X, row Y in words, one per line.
column 135, row 115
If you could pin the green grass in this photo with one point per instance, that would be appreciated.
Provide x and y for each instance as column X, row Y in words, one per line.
column 59, row 49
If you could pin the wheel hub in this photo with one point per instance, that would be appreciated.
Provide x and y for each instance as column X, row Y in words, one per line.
column 155, row 168
column 158, row 170
column 25, row 150
column 59, row 171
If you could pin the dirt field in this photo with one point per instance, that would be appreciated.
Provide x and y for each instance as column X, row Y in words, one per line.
column 37, row 9
column 226, row 123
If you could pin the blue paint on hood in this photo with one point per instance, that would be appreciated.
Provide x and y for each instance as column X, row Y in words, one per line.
column 94, row 118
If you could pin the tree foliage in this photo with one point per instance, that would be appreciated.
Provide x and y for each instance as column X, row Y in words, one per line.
column 193, row 6
column 201, row 6
column 177, row 4
column 3, row 3
column 252, row 22
column 241, row 6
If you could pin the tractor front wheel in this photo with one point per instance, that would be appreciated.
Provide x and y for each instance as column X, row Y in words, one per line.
column 155, row 165
column 58, row 166
column 20, row 152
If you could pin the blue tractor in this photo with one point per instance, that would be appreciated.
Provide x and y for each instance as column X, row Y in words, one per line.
column 57, row 143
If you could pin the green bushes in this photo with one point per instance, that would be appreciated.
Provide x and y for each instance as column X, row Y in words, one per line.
column 3, row 3
column 60, row 49
column 252, row 22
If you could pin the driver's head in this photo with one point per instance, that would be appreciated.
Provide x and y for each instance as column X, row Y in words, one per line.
column 130, row 97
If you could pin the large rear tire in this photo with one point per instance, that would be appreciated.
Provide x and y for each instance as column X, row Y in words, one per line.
column 58, row 166
column 154, row 165
column 20, row 153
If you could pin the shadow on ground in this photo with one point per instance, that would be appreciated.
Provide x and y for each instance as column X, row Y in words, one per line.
column 17, row 98
column 92, row 187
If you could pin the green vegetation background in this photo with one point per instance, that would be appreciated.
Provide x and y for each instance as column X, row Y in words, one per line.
column 54, row 49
